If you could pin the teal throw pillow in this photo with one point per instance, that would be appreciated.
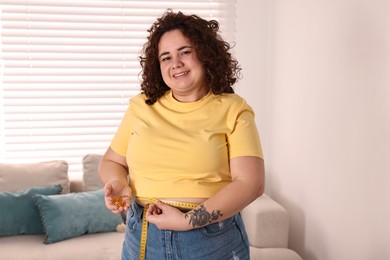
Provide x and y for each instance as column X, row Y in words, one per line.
column 74, row 214
column 18, row 213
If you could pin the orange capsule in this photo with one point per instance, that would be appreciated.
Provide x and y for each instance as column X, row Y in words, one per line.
column 118, row 201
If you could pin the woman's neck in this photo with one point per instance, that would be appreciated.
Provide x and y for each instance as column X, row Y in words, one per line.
column 190, row 97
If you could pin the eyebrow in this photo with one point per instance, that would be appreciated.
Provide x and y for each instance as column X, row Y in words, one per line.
column 179, row 49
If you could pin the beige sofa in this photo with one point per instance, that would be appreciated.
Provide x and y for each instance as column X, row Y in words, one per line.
column 266, row 221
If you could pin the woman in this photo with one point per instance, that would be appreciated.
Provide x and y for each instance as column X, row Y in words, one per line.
column 190, row 146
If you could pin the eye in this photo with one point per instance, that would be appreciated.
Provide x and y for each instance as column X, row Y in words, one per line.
column 165, row 58
column 186, row 52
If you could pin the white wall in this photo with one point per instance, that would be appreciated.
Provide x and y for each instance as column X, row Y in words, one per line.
column 251, row 50
column 324, row 116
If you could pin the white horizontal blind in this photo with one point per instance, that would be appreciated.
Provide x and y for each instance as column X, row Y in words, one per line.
column 69, row 67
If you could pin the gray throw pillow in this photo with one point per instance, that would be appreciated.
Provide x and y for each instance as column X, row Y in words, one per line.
column 18, row 176
column 91, row 179
column 18, row 213
column 75, row 214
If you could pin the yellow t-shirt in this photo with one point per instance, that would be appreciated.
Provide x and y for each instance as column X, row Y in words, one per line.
column 182, row 150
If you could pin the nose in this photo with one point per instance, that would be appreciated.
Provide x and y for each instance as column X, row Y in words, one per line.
column 177, row 63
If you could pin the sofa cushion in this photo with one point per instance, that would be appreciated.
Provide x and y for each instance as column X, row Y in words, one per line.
column 16, row 177
column 19, row 214
column 91, row 179
column 75, row 214
column 99, row 246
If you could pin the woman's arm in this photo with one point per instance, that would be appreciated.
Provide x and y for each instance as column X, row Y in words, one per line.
column 113, row 172
column 247, row 184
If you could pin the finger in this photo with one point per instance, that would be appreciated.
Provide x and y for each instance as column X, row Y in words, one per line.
column 150, row 217
column 162, row 206
column 112, row 207
column 127, row 200
column 107, row 190
column 151, row 209
column 116, row 211
column 154, row 209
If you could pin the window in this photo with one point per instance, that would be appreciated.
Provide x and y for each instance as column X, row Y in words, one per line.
column 69, row 67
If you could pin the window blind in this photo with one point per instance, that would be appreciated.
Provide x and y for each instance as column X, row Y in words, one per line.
column 69, row 67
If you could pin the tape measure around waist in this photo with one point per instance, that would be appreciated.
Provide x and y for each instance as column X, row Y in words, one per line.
column 144, row 229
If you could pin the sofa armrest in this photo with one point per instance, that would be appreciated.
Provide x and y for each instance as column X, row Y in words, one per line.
column 273, row 254
column 267, row 223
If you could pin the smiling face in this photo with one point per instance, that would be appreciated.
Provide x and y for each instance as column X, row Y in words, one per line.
column 180, row 68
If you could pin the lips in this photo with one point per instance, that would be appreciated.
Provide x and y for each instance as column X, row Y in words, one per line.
column 180, row 74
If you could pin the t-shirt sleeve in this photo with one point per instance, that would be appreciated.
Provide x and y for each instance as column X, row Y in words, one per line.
column 121, row 138
column 244, row 140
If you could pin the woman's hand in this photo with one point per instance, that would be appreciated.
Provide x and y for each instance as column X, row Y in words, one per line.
column 117, row 196
column 166, row 217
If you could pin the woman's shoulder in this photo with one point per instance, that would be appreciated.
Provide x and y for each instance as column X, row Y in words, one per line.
column 233, row 103
column 230, row 99
column 139, row 98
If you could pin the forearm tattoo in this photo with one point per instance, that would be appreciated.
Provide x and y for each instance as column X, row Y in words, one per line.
column 200, row 216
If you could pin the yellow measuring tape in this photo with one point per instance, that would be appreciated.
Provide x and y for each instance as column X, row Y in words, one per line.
column 144, row 230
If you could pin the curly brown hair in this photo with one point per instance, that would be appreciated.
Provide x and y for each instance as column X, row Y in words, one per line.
column 221, row 69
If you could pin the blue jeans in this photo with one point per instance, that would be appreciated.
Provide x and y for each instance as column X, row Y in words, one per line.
column 219, row 241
